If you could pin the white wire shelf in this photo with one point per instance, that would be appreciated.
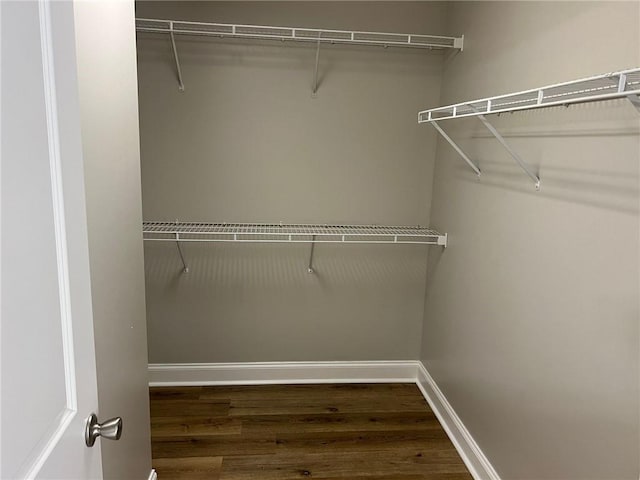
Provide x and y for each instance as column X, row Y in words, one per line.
column 290, row 233
column 621, row 84
column 608, row 86
column 264, row 32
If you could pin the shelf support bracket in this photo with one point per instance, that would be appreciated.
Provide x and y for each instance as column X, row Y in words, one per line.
column 175, row 56
column 314, row 91
column 313, row 244
column 525, row 167
column 185, row 268
column 622, row 87
column 456, row 147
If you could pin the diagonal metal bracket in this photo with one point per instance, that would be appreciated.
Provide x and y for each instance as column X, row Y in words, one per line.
column 185, row 268
column 175, row 56
column 527, row 169
column 314, row 88
column 622, row 87
column 313, row 244
column 456, row 147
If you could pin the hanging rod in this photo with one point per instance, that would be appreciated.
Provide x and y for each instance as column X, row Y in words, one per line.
column 265, row 32
column 608, row 86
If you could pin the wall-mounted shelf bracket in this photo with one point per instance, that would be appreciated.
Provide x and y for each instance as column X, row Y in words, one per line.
column 314, row 91
column 185, row 268
column 175, row 57
column 624, row 86
column 313, row 244
column 527, row 169
column 524, row 165
column 464, row 156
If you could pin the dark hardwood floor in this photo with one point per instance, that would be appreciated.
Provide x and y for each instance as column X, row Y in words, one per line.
column 323, row 432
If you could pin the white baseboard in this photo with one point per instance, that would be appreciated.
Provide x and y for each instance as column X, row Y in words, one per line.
column 274, row 373
column 473, row 457
column 153, row 475
column 281, row 372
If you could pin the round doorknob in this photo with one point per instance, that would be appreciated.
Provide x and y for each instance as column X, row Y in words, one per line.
column 111, row 429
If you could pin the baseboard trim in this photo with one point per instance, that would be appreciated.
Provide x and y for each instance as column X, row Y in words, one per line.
column 274, row 373
column 266, row 373
column 153, row 475
column 471, row 454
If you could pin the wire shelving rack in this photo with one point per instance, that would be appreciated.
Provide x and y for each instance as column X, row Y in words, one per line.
column 298, row 34
column 290, row 233
column 184, row 232
column 295, row 34
column 608, row 86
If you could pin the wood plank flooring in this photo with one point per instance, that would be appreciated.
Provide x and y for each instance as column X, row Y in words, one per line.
column 283, row 432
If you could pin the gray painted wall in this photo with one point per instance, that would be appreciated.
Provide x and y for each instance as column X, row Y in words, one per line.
column 531, row 324
column 105, row 39
column 246, row 142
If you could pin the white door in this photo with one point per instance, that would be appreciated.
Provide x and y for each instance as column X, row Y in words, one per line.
column 47, row 362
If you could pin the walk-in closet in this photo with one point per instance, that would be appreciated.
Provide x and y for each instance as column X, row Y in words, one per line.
column 378, row 240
